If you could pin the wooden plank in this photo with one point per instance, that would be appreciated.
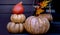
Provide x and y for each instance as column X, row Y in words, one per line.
column 55, row 27
column 15, row 1
column 4, row 19
column 8, row 8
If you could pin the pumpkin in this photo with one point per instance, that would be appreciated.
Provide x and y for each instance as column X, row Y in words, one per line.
column 18, row 8
column 36, row 25
column 15, row 27
column 18, row 18
column 48, row 16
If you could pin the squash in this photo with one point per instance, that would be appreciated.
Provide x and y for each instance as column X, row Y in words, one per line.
column 18, row 8
column 15, row 27
column 48, row 16
column 36, row 25
column 18, row 18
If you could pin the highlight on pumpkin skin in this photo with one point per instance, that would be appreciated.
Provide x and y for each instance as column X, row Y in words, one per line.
column 18, row 8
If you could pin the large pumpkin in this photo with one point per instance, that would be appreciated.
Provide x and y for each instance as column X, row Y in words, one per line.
column 36, row 25
column 15, row 27
column 18, row 18
column 48, row 16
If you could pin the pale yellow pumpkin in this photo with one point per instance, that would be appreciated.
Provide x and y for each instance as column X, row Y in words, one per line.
column 48, row 16
column 15, row 27
column 36, row 25
column 18, row 18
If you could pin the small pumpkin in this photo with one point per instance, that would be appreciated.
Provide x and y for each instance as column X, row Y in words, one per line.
column 15, row 27
column 18, row 8
column 36, row 25
column 18, row 18
column 48, row 16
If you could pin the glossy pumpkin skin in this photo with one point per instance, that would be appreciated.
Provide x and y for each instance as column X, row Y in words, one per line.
column 36, row 25
column 15, row 28
column 18, row 8
column 48, row 16
column 18, row 18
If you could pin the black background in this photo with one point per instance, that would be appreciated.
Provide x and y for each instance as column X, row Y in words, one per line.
column 6, row 11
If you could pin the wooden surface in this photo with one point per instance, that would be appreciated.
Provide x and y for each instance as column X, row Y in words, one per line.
column 6, row 11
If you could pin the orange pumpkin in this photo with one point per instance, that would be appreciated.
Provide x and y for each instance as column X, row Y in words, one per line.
column 18, row 8
column 36, row 25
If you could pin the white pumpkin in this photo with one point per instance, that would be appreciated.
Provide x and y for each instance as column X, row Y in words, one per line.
column 15, row 27
column 48, row 16
column 36, row 25
column 18, row 18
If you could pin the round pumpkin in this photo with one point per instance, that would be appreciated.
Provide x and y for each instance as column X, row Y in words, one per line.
column 15, row 27
column 18, row 8
column 48, row 16
column 18, row 18
column 36, row 25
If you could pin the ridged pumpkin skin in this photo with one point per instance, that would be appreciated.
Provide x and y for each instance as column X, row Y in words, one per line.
column 48, row 16
column 15, row 28
column 36, row 25
column 18, row 18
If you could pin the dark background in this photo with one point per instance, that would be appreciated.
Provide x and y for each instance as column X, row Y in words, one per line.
column 6, row 11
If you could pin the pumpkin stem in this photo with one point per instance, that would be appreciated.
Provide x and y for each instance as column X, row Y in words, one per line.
column 39, row 9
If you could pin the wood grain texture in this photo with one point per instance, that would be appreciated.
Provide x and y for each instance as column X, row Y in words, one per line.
column 8, row 8
column 15, row 1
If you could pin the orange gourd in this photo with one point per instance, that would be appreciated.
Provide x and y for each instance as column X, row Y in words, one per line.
column 18, row 8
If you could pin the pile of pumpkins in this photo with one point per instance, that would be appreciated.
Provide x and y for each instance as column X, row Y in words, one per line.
column 16, row 24
column 33, row 24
